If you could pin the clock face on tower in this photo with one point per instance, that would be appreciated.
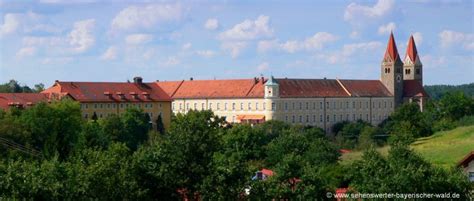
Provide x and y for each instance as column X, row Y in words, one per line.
column 399, row 78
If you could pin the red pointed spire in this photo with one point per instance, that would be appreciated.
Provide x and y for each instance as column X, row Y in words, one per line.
column 391, row 51
column 411, row 49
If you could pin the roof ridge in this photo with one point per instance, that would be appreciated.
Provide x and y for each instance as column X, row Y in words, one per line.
column 411, row 52
column 343, row 87
column 253, row 86
column 176, row 90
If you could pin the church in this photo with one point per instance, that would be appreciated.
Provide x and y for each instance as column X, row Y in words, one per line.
column 315, row 102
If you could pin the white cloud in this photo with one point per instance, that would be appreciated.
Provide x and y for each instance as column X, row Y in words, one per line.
column 266, row 45
column 43, row 41
column 187, row 46
column 263, row 67
column 149, row 16
column 234, row 48
column 385, row 29
column 10, row 24
column 418, row 37
column 26, row 51
column 315, row 42
column 354, row 34
column 350, row 50
column 249, row 30
column 110, row 54
column 172, row 61
column 211, row 24
column 148, row 54
column 449, row 38
column 356, row 11
column 81, row 37
column 137, row 39
column 206, row 53
column 57, row 60
column 432, row 62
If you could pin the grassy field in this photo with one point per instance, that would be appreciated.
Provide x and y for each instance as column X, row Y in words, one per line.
column 443, row 148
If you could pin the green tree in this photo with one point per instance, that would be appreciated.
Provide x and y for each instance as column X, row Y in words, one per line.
column 160, row 127
column 53, row 128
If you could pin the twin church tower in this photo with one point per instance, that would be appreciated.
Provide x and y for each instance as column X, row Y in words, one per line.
column 394, row 71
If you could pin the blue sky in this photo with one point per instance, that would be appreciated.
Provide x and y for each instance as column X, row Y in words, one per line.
column 93, row 40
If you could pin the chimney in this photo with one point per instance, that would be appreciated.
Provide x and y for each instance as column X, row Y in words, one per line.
column 137, row 80
column 255, row 79
column 262, row 79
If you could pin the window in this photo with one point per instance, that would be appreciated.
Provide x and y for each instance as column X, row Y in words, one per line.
column 218, row 106
column 327, row 118
column 314, row 118
column 180, row 106
column 307, row 118
column 366, row 104
column 126, row 105
column 334, row 118
column 225, row 106
column 353, row 104
column 307, row 105
column 187, row 106
column 353, row 117
column 86, row 116
column 263, row 106
column 320, row 105
column 360, row 116
column 250, row 106
column 293, row 106
column 256, row 106
column 95, row 105
column 121, row 105
column 293, row 119
column 327, row 104
column 241, row 106
column 301, row 106
column 203, row 106
column 286, row 118
column 418, row 71
column 273, row 106
column 471, row 176
column 210, row 106
column 108, row 105
column 195, row 106
column 286, row 106
column 233, row 106
column 407, row 71
column 399, row 70
column 320, row 118
column 385, row 104
column 101, row 105
column 340, row 117
column 347, row 117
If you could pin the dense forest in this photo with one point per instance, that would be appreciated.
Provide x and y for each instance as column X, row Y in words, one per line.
column 437, row 91
column 49, row 152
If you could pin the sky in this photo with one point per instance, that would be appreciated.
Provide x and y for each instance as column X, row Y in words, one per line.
column 104, row 40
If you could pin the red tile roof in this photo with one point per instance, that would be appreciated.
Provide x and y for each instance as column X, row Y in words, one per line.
column 411, row 49
column 240, row 88
column 267, row 172
column 466, row 160
column 365, row 88
column 21, row 99
column 306, row 88
column 413, row 88
column 110, row 91
column 391, row 54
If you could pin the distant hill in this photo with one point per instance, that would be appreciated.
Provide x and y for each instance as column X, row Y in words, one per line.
column 436, row 91
column 443, row 149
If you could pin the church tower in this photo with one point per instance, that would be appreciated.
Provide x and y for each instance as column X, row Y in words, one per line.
column 412, row 67
column 391, row 71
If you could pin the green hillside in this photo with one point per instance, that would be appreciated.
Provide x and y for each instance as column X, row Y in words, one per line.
column 443, row 148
